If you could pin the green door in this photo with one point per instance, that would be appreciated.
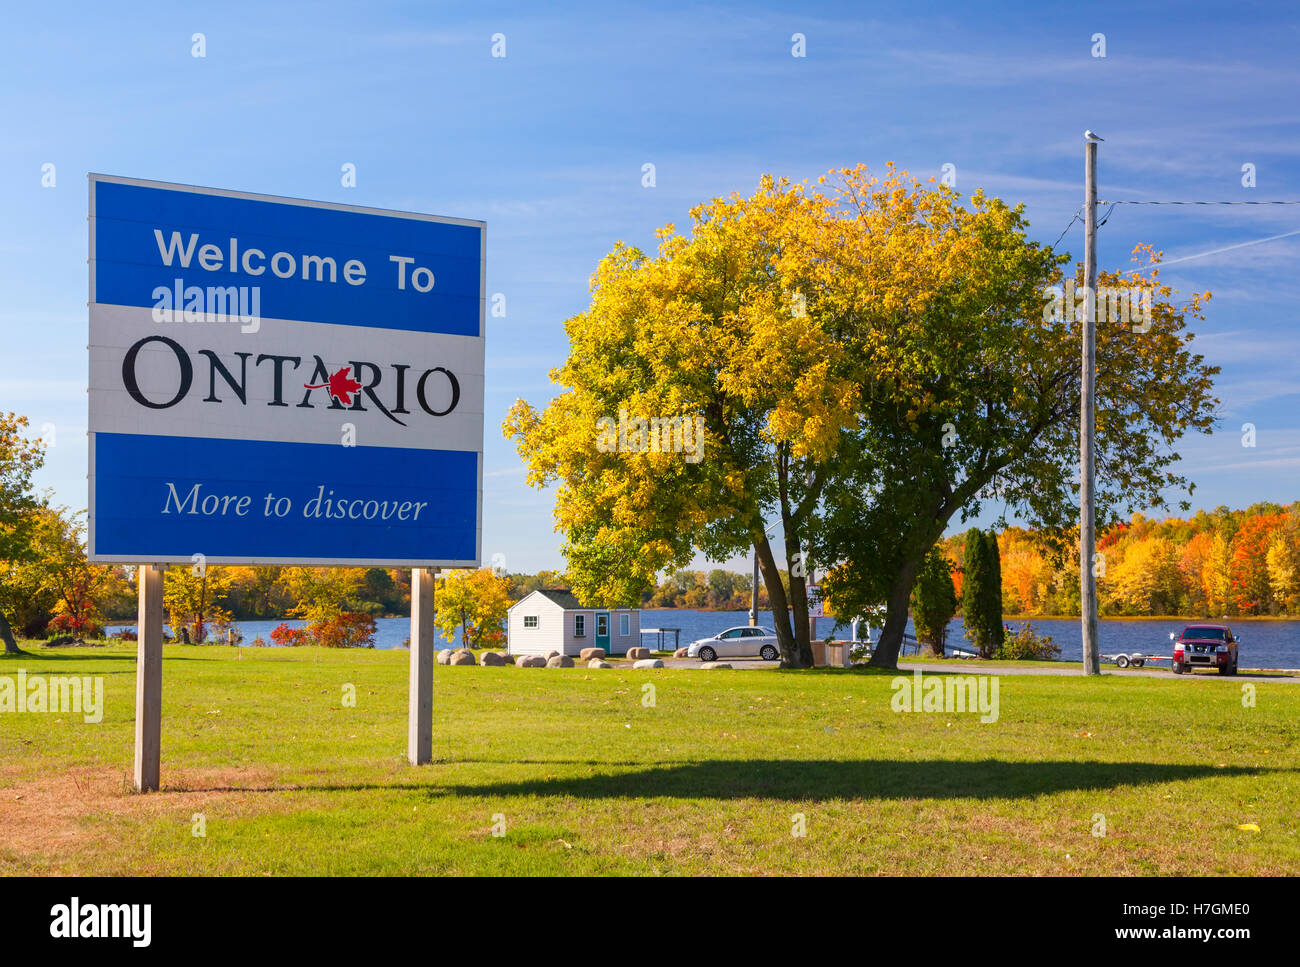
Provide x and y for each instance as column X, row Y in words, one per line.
column 602, row 630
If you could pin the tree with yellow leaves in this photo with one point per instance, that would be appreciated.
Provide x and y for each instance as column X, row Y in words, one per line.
column 475, row 601
column 1145, row 579
column 1216, row 576
column 869, row 363
column 1284, row 571
column 20, row 457
column 194, row 598
column 728, row 326
column 969, row 375
column 322, row 593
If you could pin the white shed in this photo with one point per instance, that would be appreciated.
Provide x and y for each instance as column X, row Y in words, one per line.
column 552, row 619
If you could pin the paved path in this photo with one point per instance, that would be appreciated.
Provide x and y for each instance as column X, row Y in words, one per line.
column 1047, row 668
column 1147, row 671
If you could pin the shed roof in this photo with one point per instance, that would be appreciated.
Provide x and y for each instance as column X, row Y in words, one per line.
column 563, row 597
column 566, row 599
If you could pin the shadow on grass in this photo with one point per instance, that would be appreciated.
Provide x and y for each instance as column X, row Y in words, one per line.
column 802, row 780
column 857, row 779
column 92, row 654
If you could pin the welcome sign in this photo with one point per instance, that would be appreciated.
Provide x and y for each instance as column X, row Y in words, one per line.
column 277, row 381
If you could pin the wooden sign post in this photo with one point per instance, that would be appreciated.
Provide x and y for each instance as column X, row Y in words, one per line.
column 419, row 741
column 148, row 678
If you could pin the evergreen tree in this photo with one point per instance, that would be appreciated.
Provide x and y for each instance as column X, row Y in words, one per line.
column 977, row 577
column 934, row 601
column 993, row 604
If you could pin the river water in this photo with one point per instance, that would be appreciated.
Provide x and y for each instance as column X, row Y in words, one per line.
column 1264, row 643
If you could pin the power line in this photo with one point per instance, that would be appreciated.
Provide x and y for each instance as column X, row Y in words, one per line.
column 1073, row 219
column 1187, row 258
column 1198, row 203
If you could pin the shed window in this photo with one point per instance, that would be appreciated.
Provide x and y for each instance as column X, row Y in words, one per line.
column 530, row 621
column 624, row 625
column 579, row 626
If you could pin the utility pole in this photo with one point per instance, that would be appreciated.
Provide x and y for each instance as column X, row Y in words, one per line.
column 1087, row 415
column 753, row 595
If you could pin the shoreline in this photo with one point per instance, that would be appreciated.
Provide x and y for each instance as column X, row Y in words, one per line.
column 114, row 622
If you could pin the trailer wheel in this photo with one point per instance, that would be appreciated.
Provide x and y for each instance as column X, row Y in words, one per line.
column 1121, row 661
column 1139, row 662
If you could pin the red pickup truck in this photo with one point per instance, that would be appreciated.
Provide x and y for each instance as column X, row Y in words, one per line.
column 1206, row 646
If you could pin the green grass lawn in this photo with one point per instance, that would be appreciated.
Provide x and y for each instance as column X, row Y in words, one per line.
column 585, row 778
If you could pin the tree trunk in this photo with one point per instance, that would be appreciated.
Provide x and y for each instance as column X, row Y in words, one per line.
column 6, row 633
column 799, row 607
column 796, row 652
column 886, row 652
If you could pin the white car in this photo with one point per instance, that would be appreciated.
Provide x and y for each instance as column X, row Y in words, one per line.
column 742, row 642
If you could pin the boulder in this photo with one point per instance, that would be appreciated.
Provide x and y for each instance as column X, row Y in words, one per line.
column 463, row 657
column 530, row 661
column 634, row 654
column 551, row 654
column 559, row 661
column 493, row 658
column 647, row 663
column 714, row 664
column 444, row 656
column 680, row 653
column 598, row 663
column 587, row 654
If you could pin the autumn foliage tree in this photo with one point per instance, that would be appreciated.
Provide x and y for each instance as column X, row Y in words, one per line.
column 1284, row 572
column 475, row 602
column 1251, row 592
column 727, row 323
column 194, row 598
column 1172, row 566
column 20, row 457
column 1145, row 579
column 78, row 587
column 970, row 386
column 322, row 593
column 871, row 361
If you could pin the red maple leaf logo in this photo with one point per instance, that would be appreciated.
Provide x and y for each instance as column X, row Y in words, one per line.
column 341, row 386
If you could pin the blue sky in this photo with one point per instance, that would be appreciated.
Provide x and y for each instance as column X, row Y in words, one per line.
column 547, row 145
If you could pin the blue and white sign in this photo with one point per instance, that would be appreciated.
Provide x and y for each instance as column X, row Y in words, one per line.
column 277, row 381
